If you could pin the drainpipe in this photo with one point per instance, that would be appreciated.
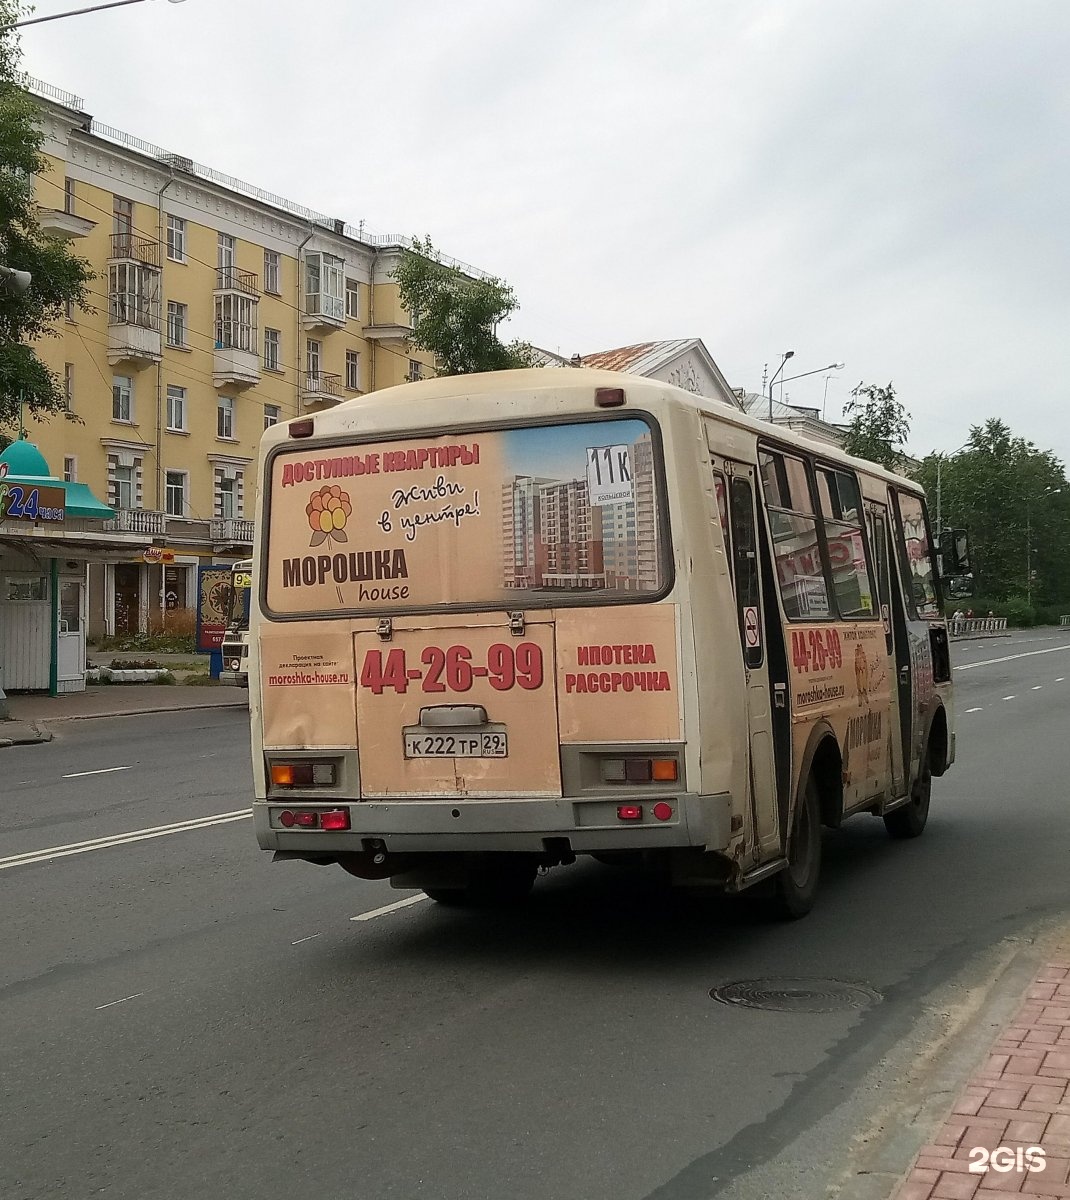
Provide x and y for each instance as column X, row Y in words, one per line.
column 161, row 242
column 53, row 665
column 371, row 321
column 300, row 306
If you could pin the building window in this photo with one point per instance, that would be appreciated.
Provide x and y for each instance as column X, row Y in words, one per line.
column 225, row 252
column 68, row 195
column 225, row 417
column 352, row 299
column 352, row 370
column 122, row 398
column 177, row 315
column 175, row 494
column 122, row 487
column 227, row 498
column 122, row 216
column 416, row 371
column 272, row 341
column 235, row 323
column 176, row 239
column 70, row 470
column 313, row 358
column 271, row 272
column 68, row 386
column 176, row 408
column 272, row 412
column 324, row 286
column 68, row 310
column 134, row 295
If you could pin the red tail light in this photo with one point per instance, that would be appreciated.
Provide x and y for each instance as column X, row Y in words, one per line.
column 629, row 812
column 334, row 818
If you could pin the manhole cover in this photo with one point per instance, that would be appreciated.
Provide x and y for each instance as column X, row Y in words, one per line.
column 796, row 995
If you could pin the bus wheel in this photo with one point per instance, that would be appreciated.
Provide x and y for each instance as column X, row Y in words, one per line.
column 796, row 885
column 497, row 886
column 909, row 821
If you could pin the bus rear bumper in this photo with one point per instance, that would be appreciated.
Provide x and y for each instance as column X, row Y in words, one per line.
column 498, row 825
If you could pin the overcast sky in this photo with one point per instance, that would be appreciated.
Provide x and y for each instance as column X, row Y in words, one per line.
column 875, row 182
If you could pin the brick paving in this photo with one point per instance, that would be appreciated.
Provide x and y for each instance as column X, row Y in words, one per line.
column 1020, row 1097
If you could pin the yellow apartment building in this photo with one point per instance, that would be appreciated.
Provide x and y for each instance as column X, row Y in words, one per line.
column 217, row 310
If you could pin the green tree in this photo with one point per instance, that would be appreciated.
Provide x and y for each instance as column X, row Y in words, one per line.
column 879, row 425
column 1014, row 501
column 456, row 317
column 58, row 277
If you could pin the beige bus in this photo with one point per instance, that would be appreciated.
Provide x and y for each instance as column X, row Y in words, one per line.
column 503, row 620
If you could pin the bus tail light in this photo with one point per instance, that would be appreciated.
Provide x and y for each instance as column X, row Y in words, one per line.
column 640, row 770
column 334, row 818
column 299, row 818
column 662, row 811
column 304, row 773
column 302, row 428
column 629, row 812
column 609, row 397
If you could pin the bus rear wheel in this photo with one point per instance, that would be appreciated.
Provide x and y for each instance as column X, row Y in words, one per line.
column 909, row 821
column 500, row 885
column 796, row 886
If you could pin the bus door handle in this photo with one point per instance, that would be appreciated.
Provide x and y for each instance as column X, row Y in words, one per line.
column 904, row 676
column 780, row 694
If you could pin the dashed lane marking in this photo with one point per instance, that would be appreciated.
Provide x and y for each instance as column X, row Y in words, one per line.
column 389, row 908
column 101, row 771
column 974, row 710
column 111, row 1003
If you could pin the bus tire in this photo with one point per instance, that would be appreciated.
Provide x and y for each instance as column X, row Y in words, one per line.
column 795, row 888
column 500, row 886
column 909, row 821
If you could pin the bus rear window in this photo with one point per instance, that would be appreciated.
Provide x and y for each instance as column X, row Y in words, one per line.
column 533, row 517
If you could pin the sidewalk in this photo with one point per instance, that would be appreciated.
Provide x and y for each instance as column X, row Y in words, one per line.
column 1016, row 1104
column 32, row 714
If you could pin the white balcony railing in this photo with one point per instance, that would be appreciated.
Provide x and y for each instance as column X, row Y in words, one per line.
column 137, row 520
column 234, row 530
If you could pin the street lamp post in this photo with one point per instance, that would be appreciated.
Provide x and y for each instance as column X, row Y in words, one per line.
column 817, row 371
column 76, row 12
column 1050, row 491
column 783, row 363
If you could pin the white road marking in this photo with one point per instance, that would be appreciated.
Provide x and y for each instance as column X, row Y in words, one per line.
column 389, row 908
column 973, row 710
column 988, row 662
column 305, row 939
column 1008, row 697
column 101, row 1007
column 121, row 839
column 1059, row 680
column 1037, row 687
column 102, row 771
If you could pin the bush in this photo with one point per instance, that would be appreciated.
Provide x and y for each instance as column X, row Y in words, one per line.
column 1019, row 612
column 133, row 664
column 164, row 643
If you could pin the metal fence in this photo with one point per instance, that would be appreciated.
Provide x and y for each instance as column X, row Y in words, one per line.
column 1065, row 620
column 977, row 626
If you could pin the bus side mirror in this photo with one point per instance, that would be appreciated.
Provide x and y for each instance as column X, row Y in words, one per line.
column 954, row 553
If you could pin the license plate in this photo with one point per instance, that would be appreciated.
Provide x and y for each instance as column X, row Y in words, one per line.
column 456, row 745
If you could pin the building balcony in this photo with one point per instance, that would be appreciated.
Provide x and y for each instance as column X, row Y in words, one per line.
column 137, row 520
column 235, row 365
column 60, row 224
column 396, row 332
column 131, row 247
column 232, row 531
column 324, row 311
column 233, row 279
column 133, row 331
column 321, row 389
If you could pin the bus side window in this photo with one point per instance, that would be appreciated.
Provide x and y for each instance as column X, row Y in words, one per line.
column 720, row 488
column 800, row 568
column 745, row 566
column 919, row 577
column 841, row 507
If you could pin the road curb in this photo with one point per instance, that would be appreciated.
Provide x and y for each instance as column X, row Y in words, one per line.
column 145, row 712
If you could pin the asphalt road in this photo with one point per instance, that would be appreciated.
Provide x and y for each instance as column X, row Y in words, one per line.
column 179, row 1017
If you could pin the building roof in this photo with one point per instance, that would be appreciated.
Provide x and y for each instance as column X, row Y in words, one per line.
column 803, row 420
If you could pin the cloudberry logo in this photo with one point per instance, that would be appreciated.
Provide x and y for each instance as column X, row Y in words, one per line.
column 327, row 512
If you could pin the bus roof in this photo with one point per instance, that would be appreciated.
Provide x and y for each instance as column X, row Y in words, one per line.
column 351, row 417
